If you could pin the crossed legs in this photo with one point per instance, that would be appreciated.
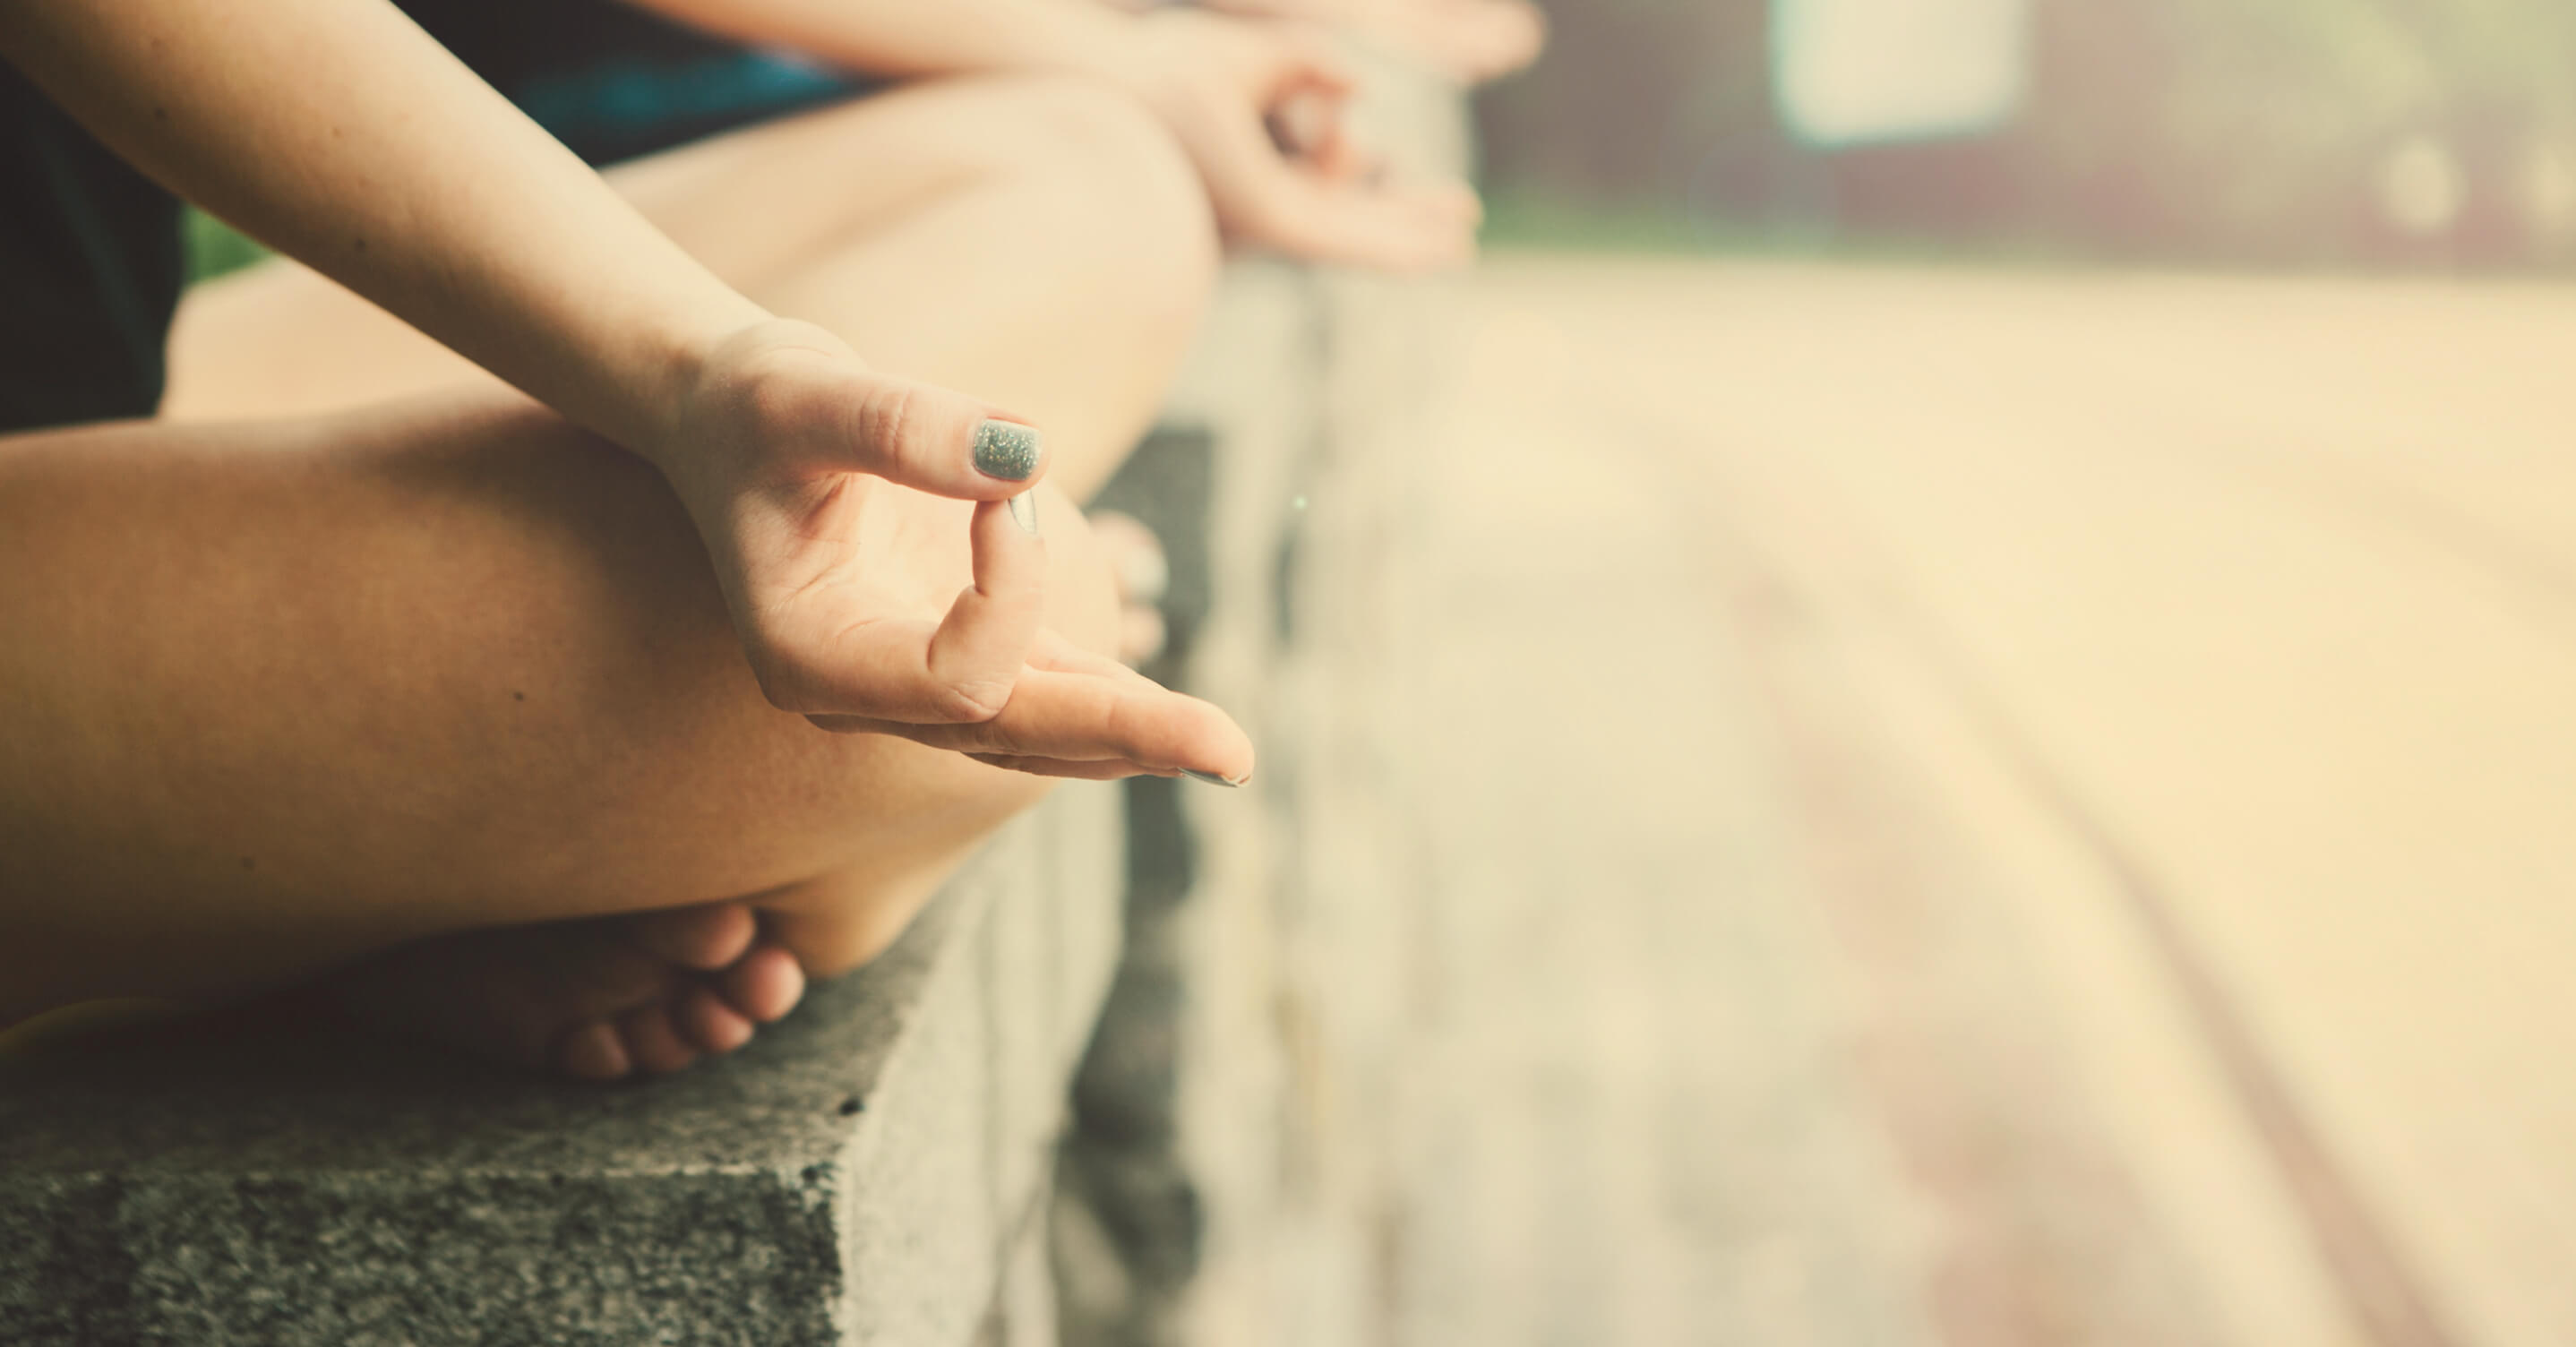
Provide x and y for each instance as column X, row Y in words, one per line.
column 403, row 681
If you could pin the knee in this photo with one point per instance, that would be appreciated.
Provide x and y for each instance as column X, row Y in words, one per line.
column 1118, row 145
column 1124, row 169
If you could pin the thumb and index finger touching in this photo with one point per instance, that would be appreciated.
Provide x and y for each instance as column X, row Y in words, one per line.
column 989, row 679
column 932, row 439
column 943, row 443
column 989, row 672
column 1305, row 185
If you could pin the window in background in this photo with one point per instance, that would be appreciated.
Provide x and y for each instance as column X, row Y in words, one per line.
column 1852, row 72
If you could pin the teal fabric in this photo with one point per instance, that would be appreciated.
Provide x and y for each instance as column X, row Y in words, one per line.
column 614, row 81
column 624, row 107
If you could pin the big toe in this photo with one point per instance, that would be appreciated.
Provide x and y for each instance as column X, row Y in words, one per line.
column 765, row 985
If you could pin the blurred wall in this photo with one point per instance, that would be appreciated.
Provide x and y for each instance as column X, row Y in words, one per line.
column 2277, row 131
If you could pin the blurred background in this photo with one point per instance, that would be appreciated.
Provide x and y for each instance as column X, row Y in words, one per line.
column 1988, row 661
column 2281, row 132
column 1938, row 708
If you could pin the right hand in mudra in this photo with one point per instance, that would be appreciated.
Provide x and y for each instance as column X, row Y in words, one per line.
column 1258, row 108
column 790, row 453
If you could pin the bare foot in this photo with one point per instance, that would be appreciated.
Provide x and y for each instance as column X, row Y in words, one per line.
column 1138, row 568
column 596, row 999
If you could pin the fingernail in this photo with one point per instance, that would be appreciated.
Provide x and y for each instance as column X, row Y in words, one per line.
column 1210, row 778
column 1007, row 450
column 1024, row 512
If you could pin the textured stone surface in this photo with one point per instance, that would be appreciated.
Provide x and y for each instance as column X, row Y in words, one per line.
column 1196, row 1202
column 1127, row 1220
column 859, row 1174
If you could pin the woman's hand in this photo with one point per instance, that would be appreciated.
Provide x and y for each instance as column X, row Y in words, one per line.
column 1258, row 107
column 799, row 464
column 1469, row 40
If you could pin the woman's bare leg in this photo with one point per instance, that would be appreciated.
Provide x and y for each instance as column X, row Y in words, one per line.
column 512, row 696
column 246, row 774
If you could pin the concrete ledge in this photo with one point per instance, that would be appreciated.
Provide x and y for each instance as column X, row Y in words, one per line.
column 1214, row 1189
column 862, row 1173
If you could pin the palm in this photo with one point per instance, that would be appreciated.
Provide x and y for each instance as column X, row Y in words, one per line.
column 848, row 568
column 870, row 606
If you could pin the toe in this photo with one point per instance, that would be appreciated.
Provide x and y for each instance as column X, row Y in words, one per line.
column 711, row 1024
column 592, row 1052
column 706, row 937
column 765, row 985
column 653, row 1041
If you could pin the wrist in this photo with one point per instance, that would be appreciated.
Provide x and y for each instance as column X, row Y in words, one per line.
column 680, row 358
column 745, row 405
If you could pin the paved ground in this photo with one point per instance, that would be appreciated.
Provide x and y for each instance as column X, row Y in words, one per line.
column 1992, row 809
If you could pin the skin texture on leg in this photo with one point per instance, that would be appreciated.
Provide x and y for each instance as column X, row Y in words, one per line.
column 511, row 696
column 314, row 687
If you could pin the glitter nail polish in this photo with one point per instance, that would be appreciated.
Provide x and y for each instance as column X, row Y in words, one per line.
column 1007, row 450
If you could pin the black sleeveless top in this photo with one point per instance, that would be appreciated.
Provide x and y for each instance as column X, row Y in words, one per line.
column 90, row 270
column 91, row 256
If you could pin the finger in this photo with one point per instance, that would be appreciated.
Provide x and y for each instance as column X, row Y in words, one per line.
column 1106, row 770
column 1048, row 651
column 1425, row 226
column 1395, row 229
column 1313, row 129
column 1510, row 35
column 977, row 652
column 1052, row 651
column 926, row 437
column 1273, row 203
column 1305, row 122
column 1469, row 40
column 1342, row 159
column 1088, row 718
column 1297, row 107
column 877, row 670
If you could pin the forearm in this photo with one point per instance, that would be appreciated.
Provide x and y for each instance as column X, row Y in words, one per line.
column 909, row 38
column 338, row 133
